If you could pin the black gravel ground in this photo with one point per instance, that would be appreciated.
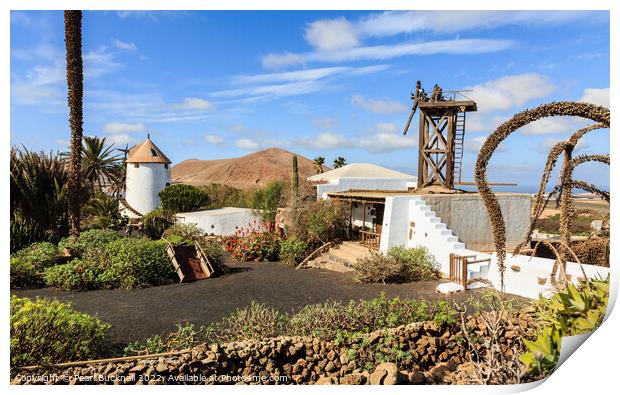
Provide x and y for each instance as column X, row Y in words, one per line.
column 140, row 313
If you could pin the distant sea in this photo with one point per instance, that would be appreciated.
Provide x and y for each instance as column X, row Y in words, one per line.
column 531, row 189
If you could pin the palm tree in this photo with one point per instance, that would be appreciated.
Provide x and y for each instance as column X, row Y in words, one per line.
column 319, row 161
column 339, row 162
column 98, row 162
column 75, row 92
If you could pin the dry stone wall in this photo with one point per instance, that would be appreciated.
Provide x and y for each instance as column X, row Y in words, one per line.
column 420, row 353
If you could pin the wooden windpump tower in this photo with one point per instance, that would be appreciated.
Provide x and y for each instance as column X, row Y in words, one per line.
column 442, row 134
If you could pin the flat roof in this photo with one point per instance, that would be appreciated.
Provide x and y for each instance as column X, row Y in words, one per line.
column 464, row 105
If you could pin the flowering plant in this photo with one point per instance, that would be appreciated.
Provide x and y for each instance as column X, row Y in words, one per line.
column 256, row 242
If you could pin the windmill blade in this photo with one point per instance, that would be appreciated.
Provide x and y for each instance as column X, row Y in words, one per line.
column 413, row 110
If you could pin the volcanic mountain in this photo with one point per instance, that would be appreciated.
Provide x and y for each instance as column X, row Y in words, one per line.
column 255, row 170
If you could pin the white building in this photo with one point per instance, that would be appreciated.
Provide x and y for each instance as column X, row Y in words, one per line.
column 148, row 172
column 220, row 222
column 361, row 176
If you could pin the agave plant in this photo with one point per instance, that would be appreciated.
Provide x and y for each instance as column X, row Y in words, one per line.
column 584, row 110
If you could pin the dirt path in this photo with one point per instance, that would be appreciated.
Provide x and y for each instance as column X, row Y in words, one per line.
column 141, row 313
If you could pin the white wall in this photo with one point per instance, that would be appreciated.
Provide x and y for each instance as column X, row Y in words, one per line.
column 344, row 184
column 357, row 216
column 220, row 222
column 409, row 221
column 524, row 282
column 467, row 217
column 395, row 222
column 144, row 184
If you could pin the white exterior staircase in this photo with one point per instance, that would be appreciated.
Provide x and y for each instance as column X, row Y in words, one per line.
column 427, row 230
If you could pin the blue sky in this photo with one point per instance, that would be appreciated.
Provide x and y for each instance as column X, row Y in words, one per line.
column 212, row 85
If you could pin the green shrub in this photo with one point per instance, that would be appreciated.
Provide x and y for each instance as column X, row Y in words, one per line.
column 189, row 232
column 418, row 264
column 28, row 263
column 179, row 198
column 93, row 239
column 376, row 267
column 39, row 255
column 177, row 240
column 122, row 263
column 140, row 262
column 24, row 274
column 329, row 320
column 293, row 250
column 221, row 195
column 214, row 251
column 266, row 201
column 48, row 331
column 257, row 321
column 398, row 266
column 156, row 222
column 77, row 275
column 185, row 337
column 318, row 222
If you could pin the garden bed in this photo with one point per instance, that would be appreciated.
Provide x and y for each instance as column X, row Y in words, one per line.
column 136, row 314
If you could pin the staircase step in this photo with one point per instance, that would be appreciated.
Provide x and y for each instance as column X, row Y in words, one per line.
column 441, row 226
column 446, row 232
column 458, row 246
column 452, row 239
column 429, row 214
column 353, row 248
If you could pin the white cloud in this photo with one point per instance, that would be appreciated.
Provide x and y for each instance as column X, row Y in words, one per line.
column 246, row 144
column 121, row 139
column 288, row 76
column 280, row 60
column 390, row 51
column 386, row 142
column 598, row 96
column 378, row 106
column 386, row 127
column 553, row 125
column 125, row 46
column 392, row 23
column 483, row 122
column 99, row 62
column 510, row 91
column 292, row 83
column 326, row 140
column 384, row 137
column 120, row 127
column 339, row 40
column 214, row 139
column 195, row 103
column 331, row 34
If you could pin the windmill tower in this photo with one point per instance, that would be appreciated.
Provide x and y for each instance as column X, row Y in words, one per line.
column 441, row 135
column 148, row 172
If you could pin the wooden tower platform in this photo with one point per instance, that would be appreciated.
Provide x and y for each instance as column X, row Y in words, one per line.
column 442, row 132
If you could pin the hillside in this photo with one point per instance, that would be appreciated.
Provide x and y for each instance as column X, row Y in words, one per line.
column 255, row 170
